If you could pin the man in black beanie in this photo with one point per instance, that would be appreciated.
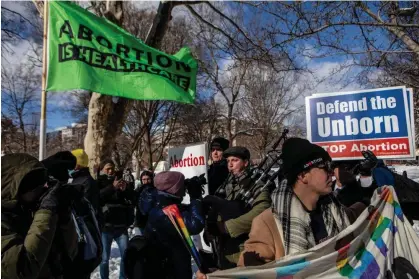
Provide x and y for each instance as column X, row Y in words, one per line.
column 218, row 171
column 304, row 210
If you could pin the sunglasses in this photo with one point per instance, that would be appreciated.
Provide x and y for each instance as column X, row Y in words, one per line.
column 327, row 167
column 216, row 149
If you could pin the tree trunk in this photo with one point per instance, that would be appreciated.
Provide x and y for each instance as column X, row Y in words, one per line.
column 148, row 148
column 106, row 118
column 22, row 128
column 229, row 123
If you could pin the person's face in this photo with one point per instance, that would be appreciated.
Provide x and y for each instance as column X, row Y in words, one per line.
column 319, row 179
column 109, row 169
column 145, row 180
column 216, row 154
column 236, row 165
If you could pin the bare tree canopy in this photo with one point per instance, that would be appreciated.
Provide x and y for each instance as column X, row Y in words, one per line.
column 254, row 62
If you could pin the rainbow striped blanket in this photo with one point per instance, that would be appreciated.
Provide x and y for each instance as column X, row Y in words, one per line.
column 384, row 245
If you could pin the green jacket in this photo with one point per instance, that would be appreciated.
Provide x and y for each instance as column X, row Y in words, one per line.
column 27, row 237
column 239, row 228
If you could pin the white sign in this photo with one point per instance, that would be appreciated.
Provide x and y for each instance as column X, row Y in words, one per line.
column 191, row 160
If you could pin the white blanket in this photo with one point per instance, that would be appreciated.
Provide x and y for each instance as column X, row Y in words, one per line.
column 384, row 245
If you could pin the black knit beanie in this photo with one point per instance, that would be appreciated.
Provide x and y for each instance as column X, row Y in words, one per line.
column 299, row 155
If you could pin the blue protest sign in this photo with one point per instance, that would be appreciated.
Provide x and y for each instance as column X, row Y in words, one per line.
column 349, row 122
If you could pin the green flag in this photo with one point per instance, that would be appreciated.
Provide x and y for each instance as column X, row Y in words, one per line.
column 89, row 52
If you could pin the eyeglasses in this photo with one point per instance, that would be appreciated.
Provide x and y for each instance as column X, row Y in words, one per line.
column 327, row 167
column 216, row 149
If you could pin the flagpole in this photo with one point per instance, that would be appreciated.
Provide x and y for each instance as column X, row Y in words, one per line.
column 43, row 124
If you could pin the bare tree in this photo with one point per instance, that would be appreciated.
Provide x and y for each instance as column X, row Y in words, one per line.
column 269, row 102
column 380, row 37
column 20, row 22
column 19, row 90
column 106, row 117
column 79, row 108
column 200, row 122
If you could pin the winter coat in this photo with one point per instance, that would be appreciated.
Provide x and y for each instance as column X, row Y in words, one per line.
column 217, row 174
column 117, row 206
column 90, row 187
column 231, row 246
column 140, row 219
column 34, row 243
column 265, row 242
column 162, row 235
column 354, row 193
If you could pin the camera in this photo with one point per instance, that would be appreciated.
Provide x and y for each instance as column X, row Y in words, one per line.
column 195, row 183
column 196, row 180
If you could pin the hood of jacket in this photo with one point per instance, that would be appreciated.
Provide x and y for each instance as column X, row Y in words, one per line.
column 14, row 169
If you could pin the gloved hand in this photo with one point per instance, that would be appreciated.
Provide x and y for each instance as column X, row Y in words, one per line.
column 226, row 209
column 370, row 161
column 216, row 228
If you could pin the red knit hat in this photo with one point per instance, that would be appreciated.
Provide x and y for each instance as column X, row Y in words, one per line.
column 171, row 182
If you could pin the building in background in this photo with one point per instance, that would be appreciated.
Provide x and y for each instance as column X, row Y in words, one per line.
column 66, row 138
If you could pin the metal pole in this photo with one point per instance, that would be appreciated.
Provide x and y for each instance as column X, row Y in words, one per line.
column 43, row 124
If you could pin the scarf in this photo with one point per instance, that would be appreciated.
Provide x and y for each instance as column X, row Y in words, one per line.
column 293, row 220
column 227, row 189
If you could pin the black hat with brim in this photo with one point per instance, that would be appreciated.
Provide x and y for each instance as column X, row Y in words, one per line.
column 237, row 151
column 220, row 142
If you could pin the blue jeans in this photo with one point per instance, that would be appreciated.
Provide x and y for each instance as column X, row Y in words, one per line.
column 122, row 240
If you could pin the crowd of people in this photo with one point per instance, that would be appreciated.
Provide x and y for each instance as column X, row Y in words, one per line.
column 59, row 221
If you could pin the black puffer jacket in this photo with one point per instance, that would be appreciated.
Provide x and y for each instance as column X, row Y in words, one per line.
column 90, row 188
column 353, row 193
column 117, row 206
column 217, row 174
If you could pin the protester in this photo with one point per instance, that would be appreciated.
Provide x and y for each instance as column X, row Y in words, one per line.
column 146, row 178
column 231, row 233
column 117, row 202
column 129, row 178
column 37, row 234
column 347, row 189
column 166, row 255
column 218, row 170
column 59, row 164
column 81, row 176
column 407, row 190
column 367, row 183
column 304, row 211
column 87, row 213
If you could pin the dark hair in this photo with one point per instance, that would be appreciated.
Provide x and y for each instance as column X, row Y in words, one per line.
column 105, row 162
column 146, row 173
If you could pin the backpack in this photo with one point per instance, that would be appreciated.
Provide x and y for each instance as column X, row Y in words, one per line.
column 89, row 236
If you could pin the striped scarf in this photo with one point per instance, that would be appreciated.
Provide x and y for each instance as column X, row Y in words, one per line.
column 293, row 220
